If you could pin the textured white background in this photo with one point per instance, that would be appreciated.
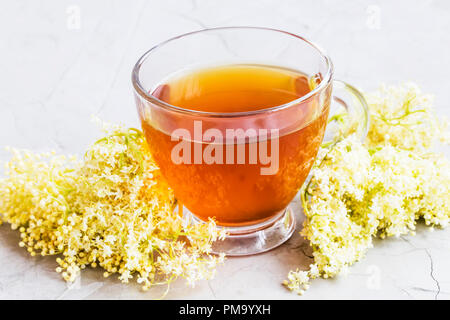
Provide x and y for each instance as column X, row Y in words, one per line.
column 55, row 74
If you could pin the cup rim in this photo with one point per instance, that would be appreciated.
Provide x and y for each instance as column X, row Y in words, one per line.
column 139, row 88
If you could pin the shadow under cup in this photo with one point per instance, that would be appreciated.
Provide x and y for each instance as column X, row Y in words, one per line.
column 248, row 197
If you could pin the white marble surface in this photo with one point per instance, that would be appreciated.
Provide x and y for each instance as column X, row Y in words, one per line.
column 54, row 74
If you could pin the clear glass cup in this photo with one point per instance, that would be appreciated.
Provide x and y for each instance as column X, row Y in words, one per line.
column 251, row 203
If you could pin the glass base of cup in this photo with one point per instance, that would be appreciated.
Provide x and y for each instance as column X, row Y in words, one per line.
column 249, row 240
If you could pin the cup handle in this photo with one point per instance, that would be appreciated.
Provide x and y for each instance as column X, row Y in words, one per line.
column 349, row 114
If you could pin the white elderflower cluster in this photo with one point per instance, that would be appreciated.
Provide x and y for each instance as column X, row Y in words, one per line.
column 377, row 189
column 111, row 209
column 403, row 116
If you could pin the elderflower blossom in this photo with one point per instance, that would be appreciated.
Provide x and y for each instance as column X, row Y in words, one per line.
column 377, row 189
column 111, row 209
column 403, row 116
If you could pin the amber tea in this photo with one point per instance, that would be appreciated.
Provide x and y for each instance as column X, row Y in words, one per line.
column 234, row 191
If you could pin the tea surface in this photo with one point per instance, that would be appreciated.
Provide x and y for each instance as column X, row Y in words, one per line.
column 236, row 88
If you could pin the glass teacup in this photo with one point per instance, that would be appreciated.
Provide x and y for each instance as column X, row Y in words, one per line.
column 241, row 168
